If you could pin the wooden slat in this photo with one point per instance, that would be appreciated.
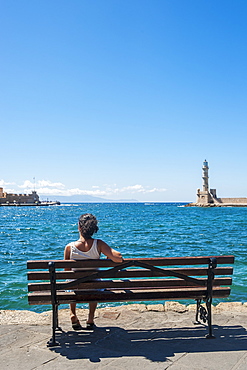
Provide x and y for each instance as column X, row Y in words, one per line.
column 121, row 284
column 128, row 295
column 201, row 260
column 130, row 273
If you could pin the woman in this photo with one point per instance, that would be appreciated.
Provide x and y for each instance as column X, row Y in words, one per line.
column 88, row 248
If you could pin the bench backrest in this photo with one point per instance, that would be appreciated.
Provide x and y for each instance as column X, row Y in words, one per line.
column 174, row 273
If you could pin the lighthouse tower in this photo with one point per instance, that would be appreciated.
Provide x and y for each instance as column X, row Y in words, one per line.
column 205, row 169
column 205, row 196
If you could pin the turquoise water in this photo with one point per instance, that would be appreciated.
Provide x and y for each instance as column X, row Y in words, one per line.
column 136, row 229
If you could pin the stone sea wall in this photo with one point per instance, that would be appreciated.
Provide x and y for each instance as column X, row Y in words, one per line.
column 11, row 317
column 222, row 202
column 233, row 200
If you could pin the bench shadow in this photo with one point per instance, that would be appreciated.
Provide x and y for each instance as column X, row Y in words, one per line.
column 157, row 345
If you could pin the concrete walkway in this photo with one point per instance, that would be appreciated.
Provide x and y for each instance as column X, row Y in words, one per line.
column 133, row 336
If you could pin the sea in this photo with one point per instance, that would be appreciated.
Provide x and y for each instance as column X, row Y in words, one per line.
column 135, row 229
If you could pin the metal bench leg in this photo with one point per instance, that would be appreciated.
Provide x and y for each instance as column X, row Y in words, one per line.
column 198, row 304
column 209, row 309
column 52, row 342
column 206, row 314
column 198, row 312
column 211, row 266
column 56, row 308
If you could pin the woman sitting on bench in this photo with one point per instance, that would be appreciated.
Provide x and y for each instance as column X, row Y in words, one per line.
column 88, row 248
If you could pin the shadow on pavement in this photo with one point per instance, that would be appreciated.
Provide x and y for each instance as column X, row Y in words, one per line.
column 154, row 344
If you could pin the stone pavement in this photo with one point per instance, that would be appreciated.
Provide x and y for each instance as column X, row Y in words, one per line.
column 132, row 336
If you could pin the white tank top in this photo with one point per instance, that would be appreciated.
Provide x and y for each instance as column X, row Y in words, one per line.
column 92, row 254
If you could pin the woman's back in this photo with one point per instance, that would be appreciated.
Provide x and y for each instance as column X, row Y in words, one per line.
column 79, row 252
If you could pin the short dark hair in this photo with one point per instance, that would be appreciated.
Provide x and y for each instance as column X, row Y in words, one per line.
column 88, row 225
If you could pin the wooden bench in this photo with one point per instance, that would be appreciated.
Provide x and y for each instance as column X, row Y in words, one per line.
column 136, row 279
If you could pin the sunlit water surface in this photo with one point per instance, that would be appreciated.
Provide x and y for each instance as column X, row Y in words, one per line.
column 135, row 229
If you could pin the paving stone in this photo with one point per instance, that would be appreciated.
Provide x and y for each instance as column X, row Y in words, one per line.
column 113, row 315
column 156, row 307
column 231, row 307
column 136, row 307
column 211, row 360
column 25, row 358
column 123, row 338
column 175, row 306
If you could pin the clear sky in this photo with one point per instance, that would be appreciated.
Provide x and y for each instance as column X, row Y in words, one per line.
column 123, row 98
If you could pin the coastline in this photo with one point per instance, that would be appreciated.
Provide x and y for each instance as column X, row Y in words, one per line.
column 15, row 317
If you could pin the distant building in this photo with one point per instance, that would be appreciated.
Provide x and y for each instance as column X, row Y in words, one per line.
column 8, row 199
column 208, row 198
column 18, row 198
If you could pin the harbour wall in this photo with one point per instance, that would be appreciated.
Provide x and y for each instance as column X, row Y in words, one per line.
column 232, row 200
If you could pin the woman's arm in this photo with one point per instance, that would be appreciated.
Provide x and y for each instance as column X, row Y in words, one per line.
column 109, row 252
column 67, row 255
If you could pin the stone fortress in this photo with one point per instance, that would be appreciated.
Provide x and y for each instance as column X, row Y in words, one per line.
column 208, row 198
column 9, row 199
column 18, row 198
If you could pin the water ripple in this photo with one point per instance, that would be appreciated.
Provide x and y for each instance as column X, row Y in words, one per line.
column 137, row 230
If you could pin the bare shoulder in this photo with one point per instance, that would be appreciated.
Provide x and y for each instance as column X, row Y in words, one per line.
column 101, row 243
column 109, row 252
column 103, row 246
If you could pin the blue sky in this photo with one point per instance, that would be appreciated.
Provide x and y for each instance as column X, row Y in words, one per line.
column 123, row 99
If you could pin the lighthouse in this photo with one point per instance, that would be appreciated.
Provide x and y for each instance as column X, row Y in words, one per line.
column 205, row 169
column 205, row 196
